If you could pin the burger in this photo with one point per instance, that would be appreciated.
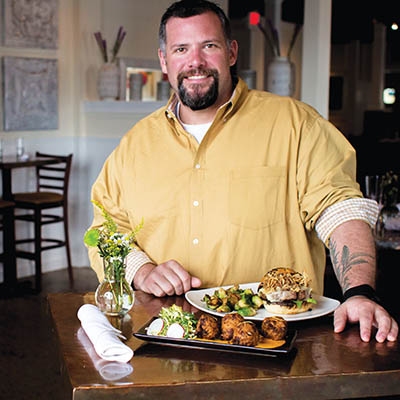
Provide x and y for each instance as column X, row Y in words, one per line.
column 286, row 291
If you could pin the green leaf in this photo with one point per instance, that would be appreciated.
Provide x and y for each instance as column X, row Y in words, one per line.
column 298, row 303
column 91, row 237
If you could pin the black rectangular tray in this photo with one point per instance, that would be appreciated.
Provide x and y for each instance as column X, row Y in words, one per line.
column 212, row 345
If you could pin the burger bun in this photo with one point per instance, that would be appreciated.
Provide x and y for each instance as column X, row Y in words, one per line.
column 287, row 310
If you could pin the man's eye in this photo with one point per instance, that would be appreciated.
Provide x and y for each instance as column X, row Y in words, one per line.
column 180, row 50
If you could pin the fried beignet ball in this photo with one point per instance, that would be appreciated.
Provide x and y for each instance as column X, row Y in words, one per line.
column 274, row 328
column 207, row 327
column 246, row 334
column 229, row 323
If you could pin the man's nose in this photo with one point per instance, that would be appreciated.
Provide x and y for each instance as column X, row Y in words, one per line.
column 196, row 59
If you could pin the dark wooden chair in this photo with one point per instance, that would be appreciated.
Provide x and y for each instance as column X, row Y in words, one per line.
column 7, row 254
column 52, row 183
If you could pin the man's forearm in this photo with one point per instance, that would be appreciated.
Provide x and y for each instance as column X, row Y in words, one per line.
column 353, row 255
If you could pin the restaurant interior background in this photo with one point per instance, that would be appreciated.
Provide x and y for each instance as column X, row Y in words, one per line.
column 357, row 63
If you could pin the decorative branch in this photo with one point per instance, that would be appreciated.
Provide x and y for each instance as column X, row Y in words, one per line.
column 296, row 32
column 102, row 43
column 118, row 42
column 275, row 37
column 269, row 39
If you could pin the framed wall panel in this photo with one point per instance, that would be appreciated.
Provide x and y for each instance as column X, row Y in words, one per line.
column 31, row 24
column 30, row 97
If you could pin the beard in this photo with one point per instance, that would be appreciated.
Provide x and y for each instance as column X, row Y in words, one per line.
column 195, row 98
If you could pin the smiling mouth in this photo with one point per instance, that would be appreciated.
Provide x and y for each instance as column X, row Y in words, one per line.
column 196, row 77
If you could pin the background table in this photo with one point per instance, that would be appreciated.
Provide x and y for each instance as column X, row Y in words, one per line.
column 7, row 165
column 324, row 365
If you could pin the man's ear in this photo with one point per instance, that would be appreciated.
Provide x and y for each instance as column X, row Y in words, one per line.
column 163, row 61
column 233, row 52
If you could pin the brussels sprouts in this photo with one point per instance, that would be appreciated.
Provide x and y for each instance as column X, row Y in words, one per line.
column 247, row 312
column 257, row 301
column 234, row 299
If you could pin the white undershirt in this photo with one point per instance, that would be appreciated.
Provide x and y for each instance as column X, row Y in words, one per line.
column 198, row 131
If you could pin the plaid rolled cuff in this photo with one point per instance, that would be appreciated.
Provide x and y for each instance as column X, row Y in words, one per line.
column 361, row 209
column 134, row 260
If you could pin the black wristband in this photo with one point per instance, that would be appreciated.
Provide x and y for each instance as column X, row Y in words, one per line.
column 362, row 290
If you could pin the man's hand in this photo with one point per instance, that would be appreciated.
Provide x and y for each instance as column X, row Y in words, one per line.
column 166, row 279
column 369, row 315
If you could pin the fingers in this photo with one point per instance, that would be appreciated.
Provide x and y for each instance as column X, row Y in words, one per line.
column 388, row 328
column 394, row 331
column 366, row 319
column 168, row 279
column 339, row 319
column 370, row 316
column 196, row 282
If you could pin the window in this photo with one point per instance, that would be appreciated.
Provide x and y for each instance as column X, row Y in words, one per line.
column 389, row 95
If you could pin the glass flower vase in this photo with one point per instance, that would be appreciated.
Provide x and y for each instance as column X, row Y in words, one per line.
column 114, row 296
column 387, row 229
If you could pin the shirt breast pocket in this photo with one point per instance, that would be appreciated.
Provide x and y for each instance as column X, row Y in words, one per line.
column 257, row 197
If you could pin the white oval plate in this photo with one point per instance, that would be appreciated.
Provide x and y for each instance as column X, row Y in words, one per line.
column 324, row 306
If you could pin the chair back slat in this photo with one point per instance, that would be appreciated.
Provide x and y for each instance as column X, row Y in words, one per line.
column 54, row 177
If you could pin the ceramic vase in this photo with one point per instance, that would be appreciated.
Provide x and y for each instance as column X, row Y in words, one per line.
column 136, row 87
column 281, row 76
column 163, row 90
column 108, row 81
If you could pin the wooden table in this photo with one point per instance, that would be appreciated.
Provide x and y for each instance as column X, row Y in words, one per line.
column 324, row 365
column 9, row 163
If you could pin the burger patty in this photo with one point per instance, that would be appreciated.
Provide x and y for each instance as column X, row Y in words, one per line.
column 285, row 295
column 289, row 304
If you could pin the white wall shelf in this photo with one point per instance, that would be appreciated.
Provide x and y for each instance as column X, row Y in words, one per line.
column 138, row 107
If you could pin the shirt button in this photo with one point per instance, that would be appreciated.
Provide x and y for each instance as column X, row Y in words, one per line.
column 195, row 241
column 197, row 166
column 196, row 203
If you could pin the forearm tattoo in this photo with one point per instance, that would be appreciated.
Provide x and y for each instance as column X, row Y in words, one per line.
column 344, row 262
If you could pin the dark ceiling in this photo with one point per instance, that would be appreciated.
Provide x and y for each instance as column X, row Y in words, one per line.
column 351, row 19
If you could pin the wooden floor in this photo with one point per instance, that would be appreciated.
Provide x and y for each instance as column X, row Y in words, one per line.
column 29, row 363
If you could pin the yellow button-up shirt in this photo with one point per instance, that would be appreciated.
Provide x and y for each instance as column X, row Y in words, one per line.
column 243, row 201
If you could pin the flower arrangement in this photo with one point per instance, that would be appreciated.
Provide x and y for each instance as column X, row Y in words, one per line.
column 102, row 43
column 113, row 246
column 114, row 296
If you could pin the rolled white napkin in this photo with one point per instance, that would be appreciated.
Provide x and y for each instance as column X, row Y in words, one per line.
column 109, row 370
column 104, row 337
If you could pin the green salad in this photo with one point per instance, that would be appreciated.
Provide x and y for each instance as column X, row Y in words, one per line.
column 173, row 322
